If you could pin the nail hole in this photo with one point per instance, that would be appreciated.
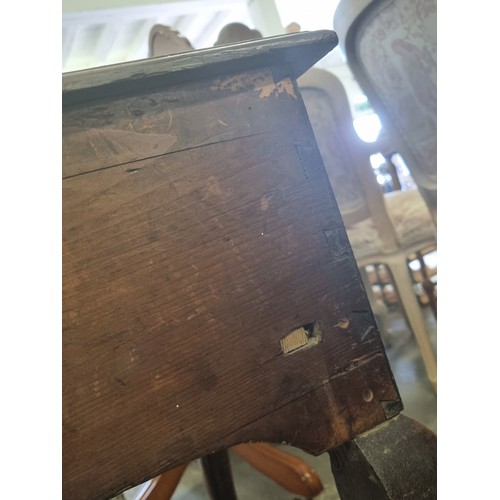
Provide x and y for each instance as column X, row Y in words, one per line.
column 343, row 323
column 367, row 395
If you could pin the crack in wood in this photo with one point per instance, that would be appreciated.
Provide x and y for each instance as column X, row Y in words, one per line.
column 115, row 165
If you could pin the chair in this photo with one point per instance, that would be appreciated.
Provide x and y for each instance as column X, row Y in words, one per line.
column 391, row 49
column 381, row 228
column 210, row 294
column 236, row 32
column 290, row 472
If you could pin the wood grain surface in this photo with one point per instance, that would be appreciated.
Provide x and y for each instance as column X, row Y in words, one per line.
column 199, row 232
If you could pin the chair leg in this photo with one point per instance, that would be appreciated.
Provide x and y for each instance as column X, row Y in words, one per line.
column 380, row 310
column 218, row 477
column 162, row 487
column 289, row 471
column 395, row 460
column 414, row 315
column 427, row 284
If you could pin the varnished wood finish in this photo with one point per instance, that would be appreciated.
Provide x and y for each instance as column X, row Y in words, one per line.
column 396, row 460
column 199, row 231
column 287, row 470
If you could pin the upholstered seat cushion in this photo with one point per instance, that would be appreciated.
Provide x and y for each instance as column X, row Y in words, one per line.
column 410, row 217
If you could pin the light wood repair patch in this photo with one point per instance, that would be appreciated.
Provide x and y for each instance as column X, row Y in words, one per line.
column 304, row 336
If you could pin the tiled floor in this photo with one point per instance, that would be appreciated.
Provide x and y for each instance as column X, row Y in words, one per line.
column 418, row 398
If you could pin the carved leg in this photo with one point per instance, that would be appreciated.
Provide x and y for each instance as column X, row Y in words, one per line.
column 394, row 461
column 218, row 477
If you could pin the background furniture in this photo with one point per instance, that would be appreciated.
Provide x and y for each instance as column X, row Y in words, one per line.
column 164, row 40
column 210, row 294
column 290, row 472
column 391, row 48
column 382, row 228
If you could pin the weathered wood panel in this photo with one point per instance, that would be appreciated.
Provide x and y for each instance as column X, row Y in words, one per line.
column 185, row 268
column 130, row 128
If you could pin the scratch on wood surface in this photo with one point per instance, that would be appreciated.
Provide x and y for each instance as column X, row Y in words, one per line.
column 96, row 386
column 170, row 120
column 265, row 202
column 213, row 188
column 369, row 330
column 116, row 141
column 94, row 149
column 265, row 87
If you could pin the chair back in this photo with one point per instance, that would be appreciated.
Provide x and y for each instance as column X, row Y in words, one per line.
column 345, row 155
column 164, row 41
column 391, row 49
